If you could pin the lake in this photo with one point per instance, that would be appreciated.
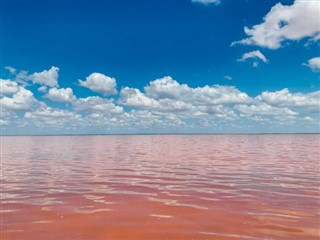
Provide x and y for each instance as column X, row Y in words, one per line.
column 160, row 187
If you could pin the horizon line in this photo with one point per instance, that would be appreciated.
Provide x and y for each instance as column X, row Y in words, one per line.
column 141, row 134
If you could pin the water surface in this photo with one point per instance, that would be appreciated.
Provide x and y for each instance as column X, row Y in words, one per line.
column 160, row 187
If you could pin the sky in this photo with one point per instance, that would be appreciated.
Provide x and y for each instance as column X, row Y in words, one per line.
column 160, row 66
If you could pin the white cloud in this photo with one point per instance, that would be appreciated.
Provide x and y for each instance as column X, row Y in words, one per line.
column 3, row 122
column 219, row 95
column 21, row 77
column 167, row 87
column 97, row 105
column 313, row 63
column 46, row 77
column 208, row 95
column 286, row 99
column 134, row 98
column 207, row 2
column 11, row 69
column 8, row 87
column 98, row 82
column 21, row 100
column 174, row 105
column 42, row 89
column 49, row 112
column 61, row 94
column 254, row 55
column 219, row 111
column 264, row 109
column 166, row 95
column 283, row 23
column 7, row 116
column 46, row 115
column 142, row 118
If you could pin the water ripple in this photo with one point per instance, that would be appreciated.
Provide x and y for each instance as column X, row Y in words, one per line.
column 174, row 187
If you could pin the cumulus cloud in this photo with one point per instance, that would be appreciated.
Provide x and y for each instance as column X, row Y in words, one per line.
column 313, row 63
column 167, row 87
column 97, row 105
column 8, row 87
column 100, row 83
column 166, row 95
column 219, row 95
column 285, row 23
column 207, row 2
column 257, row 55
column 21, row 100
column 134, row 98
column 286, row 99
column 61, row 95
column 46, row 77
column 208, row 95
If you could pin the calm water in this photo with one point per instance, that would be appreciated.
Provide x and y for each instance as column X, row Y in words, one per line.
column 161, row 187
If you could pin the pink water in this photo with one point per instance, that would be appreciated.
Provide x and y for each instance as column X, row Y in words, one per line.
column 160, row 187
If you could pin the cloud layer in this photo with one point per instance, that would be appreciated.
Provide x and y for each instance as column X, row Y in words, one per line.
column 164, row 105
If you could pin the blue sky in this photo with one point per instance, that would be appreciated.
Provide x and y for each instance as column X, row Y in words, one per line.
column 160, row 66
